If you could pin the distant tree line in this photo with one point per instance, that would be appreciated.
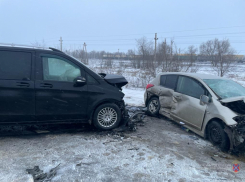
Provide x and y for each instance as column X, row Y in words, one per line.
column 168, row 57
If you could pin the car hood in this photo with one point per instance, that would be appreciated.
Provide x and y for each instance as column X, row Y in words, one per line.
column 117, row 80
column 233, row 99
column 236, row 104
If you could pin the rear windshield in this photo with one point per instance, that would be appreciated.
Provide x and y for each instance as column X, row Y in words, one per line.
column 225, row 88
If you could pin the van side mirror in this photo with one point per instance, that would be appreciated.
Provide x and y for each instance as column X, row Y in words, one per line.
column 204, row 99
column 79, row 81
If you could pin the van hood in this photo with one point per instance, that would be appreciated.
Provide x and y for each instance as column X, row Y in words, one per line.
column 115, row 80
column 236, row 104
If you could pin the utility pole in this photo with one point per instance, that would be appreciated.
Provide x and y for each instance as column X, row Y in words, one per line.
column 172, row 47
column 61, row 43
column 118, row 54
column 85, row 53
column 155, row 46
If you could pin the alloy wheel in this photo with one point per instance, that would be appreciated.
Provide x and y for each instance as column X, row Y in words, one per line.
column 153, row 106
column 107, row 117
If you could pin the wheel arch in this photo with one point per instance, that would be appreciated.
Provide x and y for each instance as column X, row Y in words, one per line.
column 213, row 119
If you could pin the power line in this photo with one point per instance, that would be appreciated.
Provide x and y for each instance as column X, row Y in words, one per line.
column 185, row 36
column 162, row 32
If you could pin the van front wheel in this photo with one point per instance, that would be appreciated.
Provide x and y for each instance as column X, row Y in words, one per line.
column 107, row 116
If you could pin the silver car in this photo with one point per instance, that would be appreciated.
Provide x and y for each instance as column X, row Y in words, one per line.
column 211, row 106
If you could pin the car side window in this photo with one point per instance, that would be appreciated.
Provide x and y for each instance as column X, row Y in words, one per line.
column 15, row 65
column 171, row 81
column 163, row 80
column 189, row 87
column 55, row 69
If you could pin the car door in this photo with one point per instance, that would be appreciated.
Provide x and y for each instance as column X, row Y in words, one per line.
column 188, row 107
column 57, row 96
column 17, row 96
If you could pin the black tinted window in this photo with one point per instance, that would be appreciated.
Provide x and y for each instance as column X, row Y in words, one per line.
column 190, row 87
column 163, row 80
column 15, row 65
column 171, row 81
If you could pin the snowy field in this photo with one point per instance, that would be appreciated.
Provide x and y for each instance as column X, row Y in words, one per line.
column 134, row 97
column 138, row 79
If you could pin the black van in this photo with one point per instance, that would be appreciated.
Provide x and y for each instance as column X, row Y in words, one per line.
column 40, row 86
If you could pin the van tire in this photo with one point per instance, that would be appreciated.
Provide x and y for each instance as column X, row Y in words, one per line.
column 107, row 116
column 153, row 106
column 218, row 136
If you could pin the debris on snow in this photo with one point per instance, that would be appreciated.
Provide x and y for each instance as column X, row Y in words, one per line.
column 39, row 176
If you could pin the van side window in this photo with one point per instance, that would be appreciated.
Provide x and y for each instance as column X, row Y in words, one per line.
column 190, row 87
column 171, row 81
column 15, row 65
column 55, row 69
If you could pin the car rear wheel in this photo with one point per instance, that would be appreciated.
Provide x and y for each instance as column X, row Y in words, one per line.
column 153, row 106
column 107, row 116
column 218, row 136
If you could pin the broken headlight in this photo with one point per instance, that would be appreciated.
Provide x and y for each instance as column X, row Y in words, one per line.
column 240, row 127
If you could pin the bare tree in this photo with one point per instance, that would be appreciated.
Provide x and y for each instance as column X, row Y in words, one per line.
column 168, row 58
column 132, row 57
column 190, row 63
column 145, row 49
column 220, row 54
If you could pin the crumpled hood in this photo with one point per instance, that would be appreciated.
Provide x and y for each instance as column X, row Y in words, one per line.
column 117, row 80
column 236, row 104
column 233, row 99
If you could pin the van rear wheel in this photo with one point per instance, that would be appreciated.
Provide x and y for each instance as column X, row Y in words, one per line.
column 107, row 116
column 218, row 136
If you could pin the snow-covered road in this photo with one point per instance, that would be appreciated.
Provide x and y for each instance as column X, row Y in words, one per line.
column 134, row 97
column 158, row 151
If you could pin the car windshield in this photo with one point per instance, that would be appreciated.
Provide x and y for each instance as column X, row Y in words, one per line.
column 225, row 88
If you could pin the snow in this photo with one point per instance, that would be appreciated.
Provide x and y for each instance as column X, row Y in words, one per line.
column 134, row 97
column 140, row 78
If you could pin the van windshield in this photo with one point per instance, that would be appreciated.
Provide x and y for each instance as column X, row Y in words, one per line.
column 225, row 88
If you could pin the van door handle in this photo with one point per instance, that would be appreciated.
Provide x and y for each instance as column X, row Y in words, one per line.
column 23, row 84
column 46, row 85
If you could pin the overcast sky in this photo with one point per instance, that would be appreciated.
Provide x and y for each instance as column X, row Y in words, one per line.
column 112, row 24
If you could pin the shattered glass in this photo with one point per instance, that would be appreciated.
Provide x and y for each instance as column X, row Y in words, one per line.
column 225, row 88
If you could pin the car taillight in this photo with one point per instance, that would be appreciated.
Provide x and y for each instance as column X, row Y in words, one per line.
column 149, row 86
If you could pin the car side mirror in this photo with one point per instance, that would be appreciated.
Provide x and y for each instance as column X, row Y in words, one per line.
column 79, row 81
column 204, row 99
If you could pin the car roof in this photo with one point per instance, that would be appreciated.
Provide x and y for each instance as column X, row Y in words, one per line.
column 194, row 75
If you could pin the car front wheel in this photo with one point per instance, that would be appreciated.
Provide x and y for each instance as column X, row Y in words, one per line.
column 107, row 116
column 218, row 136
column 153, row 106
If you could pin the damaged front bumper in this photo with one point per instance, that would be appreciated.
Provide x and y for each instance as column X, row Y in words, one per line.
column 236, row 134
